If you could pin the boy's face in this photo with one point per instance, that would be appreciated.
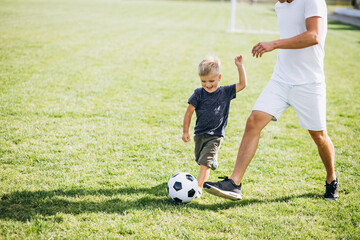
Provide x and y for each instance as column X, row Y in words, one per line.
column 210, row 82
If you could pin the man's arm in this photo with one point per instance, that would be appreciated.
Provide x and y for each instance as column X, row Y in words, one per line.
column 314, row 26
column 187, row 120
column 242, row 73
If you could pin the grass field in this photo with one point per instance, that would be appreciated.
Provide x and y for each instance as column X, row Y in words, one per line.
column 92, row 99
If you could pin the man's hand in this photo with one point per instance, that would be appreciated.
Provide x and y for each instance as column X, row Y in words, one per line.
column 312, row 36
column 261, row 48
column 186, row 137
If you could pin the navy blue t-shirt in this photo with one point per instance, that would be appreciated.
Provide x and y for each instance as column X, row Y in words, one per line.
column 212, row 109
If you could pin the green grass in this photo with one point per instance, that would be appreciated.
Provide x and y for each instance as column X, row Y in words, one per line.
column 92, row 98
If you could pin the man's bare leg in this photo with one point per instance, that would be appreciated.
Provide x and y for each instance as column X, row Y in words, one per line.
column 230, row 188
column 255, row 123
column 326, row 152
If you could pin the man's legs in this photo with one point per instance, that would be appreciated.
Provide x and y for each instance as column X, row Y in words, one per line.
column 255, row 123
column 230, row 188
column 273, row 100
column 326, row 152
column 327, row 155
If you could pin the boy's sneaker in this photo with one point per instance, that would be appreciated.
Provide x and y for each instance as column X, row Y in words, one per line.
column 198, row 193
column 332, row 190
column 225, row 189
column 214, row 164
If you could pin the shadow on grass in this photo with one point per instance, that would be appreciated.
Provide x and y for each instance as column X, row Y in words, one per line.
column 25, row 205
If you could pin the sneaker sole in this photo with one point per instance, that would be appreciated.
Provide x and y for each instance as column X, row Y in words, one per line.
column 224, row 194
column 331, row 199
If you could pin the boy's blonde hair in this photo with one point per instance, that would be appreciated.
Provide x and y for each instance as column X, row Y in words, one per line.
column 209, row 65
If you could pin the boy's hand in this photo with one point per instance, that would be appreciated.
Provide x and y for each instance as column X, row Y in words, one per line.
column 186, row 137
column 242, row 73
column 239, row 61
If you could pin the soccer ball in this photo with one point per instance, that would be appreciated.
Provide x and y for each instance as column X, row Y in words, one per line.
column 182, row 187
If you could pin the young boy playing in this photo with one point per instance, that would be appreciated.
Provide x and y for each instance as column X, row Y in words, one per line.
column 211, row 104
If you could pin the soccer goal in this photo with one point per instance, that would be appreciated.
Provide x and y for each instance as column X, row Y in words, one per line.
column 234, row 29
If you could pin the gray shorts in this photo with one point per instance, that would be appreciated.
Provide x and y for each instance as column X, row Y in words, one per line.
column 206, row 148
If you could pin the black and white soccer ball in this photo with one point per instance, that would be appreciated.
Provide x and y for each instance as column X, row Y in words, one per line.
column 182, row 187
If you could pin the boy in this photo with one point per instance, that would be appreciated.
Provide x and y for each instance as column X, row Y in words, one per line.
column 211, row 104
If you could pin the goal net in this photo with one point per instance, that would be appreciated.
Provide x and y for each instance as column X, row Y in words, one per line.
column 258, row 24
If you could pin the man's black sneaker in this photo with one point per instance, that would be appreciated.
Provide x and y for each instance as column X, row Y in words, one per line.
column 332, row 190
column 225, row 189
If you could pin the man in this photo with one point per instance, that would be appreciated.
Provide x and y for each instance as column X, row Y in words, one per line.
column 298, row 80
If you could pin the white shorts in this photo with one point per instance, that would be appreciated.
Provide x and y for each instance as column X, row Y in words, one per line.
column 308, row 100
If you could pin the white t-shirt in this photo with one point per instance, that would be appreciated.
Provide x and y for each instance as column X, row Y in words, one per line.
column 306, row 65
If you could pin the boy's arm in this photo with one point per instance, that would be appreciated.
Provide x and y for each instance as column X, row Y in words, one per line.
column 242, row 73
column 186, row 125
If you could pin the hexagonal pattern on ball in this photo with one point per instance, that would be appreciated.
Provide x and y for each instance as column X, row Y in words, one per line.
column 182, row 187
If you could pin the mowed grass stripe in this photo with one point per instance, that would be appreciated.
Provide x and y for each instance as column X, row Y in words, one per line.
column 91, row 107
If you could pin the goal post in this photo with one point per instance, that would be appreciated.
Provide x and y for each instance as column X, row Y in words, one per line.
column 232, row 26
column 232, row 16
